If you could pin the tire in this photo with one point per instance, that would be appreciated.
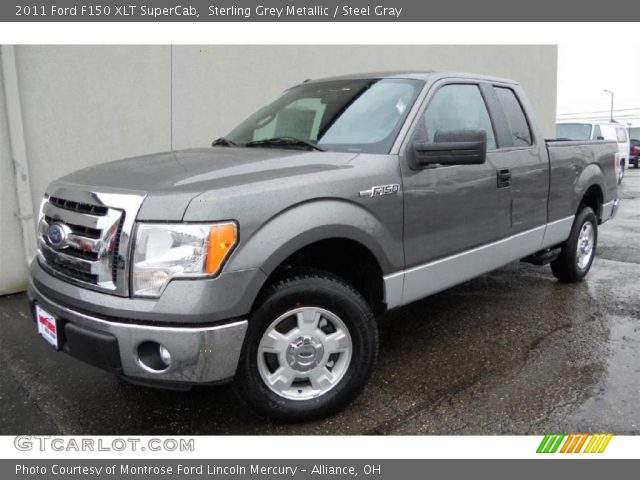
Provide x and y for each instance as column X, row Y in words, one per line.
column 288, row 350
column 569, row 266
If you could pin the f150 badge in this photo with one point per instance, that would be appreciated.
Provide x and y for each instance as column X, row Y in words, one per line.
column 380, row 190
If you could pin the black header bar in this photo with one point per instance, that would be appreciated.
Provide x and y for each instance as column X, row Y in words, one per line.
column 320, row 11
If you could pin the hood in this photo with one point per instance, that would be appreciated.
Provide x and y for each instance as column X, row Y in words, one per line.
column 170, row 180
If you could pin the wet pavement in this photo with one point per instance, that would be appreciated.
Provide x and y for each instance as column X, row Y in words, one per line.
column 512, row 352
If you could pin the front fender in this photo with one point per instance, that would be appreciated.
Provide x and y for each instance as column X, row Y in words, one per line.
column 312, row 221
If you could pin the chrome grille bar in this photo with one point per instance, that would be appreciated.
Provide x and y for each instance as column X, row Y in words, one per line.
column 74, row 240
column 78, row 207
column 75, row 218
column 70, row 261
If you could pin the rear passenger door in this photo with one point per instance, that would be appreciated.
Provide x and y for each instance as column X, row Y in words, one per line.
column 521, row 161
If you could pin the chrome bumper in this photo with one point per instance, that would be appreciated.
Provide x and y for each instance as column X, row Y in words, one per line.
column 198, row 355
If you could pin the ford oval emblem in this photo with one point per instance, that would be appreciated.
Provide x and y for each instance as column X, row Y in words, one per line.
column 57, row 235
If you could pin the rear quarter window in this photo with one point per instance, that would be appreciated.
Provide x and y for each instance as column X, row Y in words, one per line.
column 597, row 134
column 516, row 119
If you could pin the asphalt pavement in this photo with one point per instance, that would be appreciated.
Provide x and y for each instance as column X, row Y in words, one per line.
column 511, row 352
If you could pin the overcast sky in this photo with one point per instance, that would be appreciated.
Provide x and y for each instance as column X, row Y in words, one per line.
column 584, row 70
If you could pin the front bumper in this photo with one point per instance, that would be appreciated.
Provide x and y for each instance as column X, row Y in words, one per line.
column 205, row 300
column 199, row 354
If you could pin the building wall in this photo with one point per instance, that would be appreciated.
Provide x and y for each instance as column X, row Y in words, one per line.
column 84, row 105
column 13, row 269
column 215, row 87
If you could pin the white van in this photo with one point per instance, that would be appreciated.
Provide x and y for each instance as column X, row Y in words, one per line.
column 599, row 131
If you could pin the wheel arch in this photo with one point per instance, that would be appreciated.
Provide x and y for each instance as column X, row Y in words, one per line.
column 591, row 190
column 593, row 197
column 338, row 236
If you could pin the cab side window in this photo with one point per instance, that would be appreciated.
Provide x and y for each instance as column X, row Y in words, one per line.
column 455, row 107
column 516, row 119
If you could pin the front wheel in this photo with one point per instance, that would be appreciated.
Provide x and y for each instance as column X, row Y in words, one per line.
column 578, row 251
column 310, row 348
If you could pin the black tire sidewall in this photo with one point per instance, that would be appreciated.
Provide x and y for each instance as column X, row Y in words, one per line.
column 585, row 215
column 308, row 291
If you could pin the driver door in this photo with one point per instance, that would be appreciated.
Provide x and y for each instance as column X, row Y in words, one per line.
column 450, row 209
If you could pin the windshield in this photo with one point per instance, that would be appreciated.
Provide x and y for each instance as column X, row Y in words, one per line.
column 343, row 115
column 573, row 131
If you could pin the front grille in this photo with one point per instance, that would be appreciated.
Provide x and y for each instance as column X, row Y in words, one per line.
column 77, row 273
column 89, row 251
column 77, row 229
column 118, row 262
column 78, row 206
column 79, row 253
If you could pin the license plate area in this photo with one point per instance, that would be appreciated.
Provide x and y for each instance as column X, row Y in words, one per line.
column 47, row 327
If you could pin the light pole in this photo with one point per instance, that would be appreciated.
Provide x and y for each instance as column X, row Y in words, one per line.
column 609, row 91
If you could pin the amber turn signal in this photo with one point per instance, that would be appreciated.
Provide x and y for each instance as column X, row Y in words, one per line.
column 222, row 239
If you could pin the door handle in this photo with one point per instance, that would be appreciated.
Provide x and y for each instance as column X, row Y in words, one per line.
column 504, row 178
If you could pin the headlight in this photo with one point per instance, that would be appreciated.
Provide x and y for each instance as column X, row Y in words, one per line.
column 167, row 251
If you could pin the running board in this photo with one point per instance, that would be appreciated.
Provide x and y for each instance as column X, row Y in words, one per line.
column 543, row 257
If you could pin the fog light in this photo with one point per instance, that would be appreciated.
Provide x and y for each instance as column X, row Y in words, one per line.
column 153, row 357
column 165, row 356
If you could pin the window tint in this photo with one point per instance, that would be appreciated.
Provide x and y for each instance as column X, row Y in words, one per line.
column 373, row 117
column 456, row 107
column 597, row 133
column 621, row 134
column 300, row 119
column 516, row 120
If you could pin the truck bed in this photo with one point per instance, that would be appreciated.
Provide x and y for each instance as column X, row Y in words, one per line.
column 574, row 166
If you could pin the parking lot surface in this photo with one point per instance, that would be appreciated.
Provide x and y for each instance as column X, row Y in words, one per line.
column 511, row 352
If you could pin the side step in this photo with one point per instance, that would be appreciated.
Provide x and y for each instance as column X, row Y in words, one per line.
column 543, row 256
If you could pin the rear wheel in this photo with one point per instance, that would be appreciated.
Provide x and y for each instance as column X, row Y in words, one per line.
column 578, row 252
column 309, row 350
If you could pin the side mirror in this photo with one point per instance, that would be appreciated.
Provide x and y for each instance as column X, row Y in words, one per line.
column 452, row 147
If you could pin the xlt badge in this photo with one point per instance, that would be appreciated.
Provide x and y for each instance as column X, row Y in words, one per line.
column 380, row 190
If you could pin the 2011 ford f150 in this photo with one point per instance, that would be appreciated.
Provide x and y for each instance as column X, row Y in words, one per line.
column 265, row 258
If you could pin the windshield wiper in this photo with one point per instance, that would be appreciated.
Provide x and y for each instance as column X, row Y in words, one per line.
column 284, row 142
column 223, row 142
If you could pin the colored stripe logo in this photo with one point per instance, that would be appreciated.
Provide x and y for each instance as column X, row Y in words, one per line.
column 574, row 443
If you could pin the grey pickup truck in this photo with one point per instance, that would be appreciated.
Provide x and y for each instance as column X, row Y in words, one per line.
column 266, row 258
